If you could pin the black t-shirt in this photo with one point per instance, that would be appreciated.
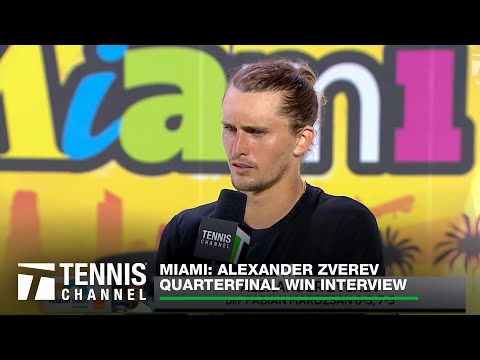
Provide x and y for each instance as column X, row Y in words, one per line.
column 320, row 229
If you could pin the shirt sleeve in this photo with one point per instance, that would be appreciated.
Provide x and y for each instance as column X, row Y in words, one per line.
column 366, row 240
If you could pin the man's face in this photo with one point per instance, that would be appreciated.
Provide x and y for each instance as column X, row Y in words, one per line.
column 257, row 141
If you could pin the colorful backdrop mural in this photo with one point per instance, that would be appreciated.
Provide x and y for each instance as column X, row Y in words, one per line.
column 101, row 145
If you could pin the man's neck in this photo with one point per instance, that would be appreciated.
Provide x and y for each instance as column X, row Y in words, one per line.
column 267, row 207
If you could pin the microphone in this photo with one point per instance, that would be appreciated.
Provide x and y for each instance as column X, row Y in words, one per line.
column 219, row 237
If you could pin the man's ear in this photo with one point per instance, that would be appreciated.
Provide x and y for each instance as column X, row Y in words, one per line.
column 304, row 139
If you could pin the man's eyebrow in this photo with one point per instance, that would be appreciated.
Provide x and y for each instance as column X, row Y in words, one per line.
column 254, row 128
column 247, row 128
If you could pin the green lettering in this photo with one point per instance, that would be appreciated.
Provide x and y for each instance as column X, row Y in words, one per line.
column 144, row 134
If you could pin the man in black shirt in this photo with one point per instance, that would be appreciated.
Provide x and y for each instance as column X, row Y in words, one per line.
column 269, row 110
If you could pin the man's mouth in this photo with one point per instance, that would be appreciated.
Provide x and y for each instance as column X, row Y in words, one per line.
column 241, row 165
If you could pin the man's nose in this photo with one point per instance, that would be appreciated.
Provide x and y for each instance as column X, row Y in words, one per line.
column 240, row 146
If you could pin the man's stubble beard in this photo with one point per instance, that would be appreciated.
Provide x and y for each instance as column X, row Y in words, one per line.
column 260, row 184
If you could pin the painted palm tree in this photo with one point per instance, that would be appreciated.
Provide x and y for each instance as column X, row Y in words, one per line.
column 398, row 252
column 460, row 243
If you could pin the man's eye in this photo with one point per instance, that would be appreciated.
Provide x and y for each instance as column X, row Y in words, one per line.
column 229, row 128
column 259, row 132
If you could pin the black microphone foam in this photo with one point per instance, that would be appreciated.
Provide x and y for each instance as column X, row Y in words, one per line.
column 230, row 206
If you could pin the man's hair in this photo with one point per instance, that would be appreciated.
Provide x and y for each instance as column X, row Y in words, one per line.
column 301, row 104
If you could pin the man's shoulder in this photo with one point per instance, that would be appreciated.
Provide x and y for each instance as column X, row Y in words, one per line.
column 195, row 214
column 342, row 205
